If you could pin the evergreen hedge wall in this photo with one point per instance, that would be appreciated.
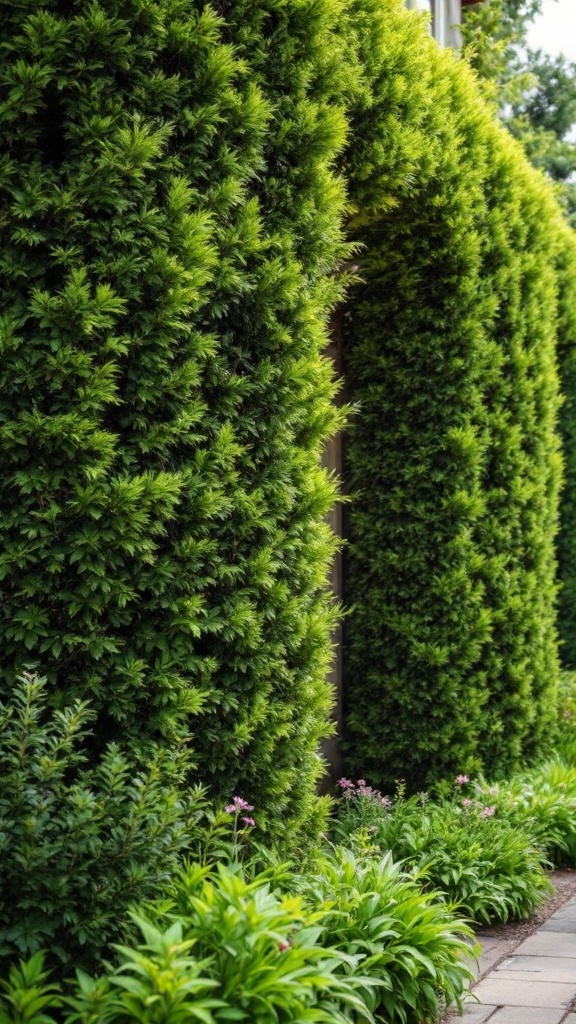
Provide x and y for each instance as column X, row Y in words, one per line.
column 173, row 180
column 453, row 458
column 169, row 223
column 567, row 537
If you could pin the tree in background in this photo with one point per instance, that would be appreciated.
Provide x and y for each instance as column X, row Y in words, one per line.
column 534, row 92
column 543, row 118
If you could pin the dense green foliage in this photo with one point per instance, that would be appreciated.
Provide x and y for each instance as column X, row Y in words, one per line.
column 453, row 459
column 169, row 221
column 567, row 536
column 412, row 945
column 487, row 863
column 541, row 801
column 231, row 949
column 79, row 845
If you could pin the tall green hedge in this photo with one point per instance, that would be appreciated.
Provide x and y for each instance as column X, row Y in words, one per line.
column 567, row 537
column 169, row 225
column 522, row 470
column 453, row 458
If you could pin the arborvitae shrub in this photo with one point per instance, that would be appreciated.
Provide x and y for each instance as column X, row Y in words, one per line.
column 522, row 467
column 169, row 219
column 452, row 458
column 567, row 536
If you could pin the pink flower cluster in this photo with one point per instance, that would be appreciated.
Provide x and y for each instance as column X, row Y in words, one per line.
column 239, row 804
column 461, row 780
column 487, row 812
column 483, row 812
column 360, row 788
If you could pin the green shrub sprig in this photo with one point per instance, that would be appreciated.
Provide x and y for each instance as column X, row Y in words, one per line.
column 80, row 844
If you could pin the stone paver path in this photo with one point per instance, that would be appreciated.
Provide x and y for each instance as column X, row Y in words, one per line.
column 535, row 983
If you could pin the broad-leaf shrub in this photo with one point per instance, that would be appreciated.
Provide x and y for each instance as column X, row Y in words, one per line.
column 410, row 942
column 264, row 949
column 486, row 865
column 227, row 949
column 359, row 942
column 78, row 845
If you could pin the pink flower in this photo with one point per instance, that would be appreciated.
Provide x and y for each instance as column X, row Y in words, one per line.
column 386, row 801
column 361, row 782
column 466, row 803
column 238, row 804
column 365, row 791
column 249, row 821
column 461, row 780
column 487, row 812
column 283, row 946
column 345, row 784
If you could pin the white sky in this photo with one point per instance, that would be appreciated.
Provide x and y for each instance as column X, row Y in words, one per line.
column 554, row 31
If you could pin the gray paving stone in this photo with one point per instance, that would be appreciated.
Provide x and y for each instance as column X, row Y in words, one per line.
column 565, row 924
column 525, row 1015
column 548, row 944
column 538, row 968
column 476, row 1013
column 492, row 951
column 501, row 992
column 564, row 920
column 570, row 1019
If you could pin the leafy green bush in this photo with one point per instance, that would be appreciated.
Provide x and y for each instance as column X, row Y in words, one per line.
column 410, row 942
column 360, row 942
column 265, row 950
column 227, row 950
column 78, row 846
column 542, row 802
column 487, row 866
column 453, row 460
column 170, row 227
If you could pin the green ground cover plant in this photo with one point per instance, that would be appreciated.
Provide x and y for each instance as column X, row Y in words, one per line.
column 412, row 943
column 487, row 865
column 223, row 948
column 543, row 802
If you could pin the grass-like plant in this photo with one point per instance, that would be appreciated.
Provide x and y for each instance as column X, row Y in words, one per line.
column 462, row 847
column 412, row 944
column 541, row 801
